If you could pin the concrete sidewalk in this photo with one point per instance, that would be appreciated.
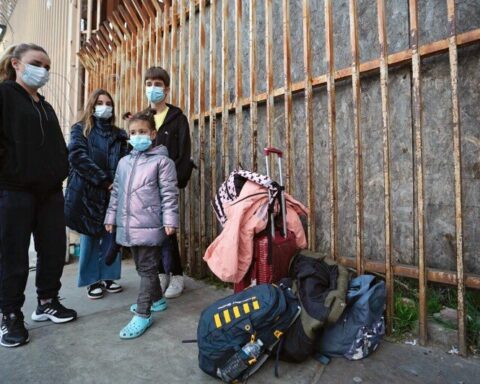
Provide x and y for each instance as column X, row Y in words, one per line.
column 90, row 351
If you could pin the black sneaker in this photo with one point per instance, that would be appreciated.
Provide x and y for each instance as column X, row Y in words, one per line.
column 54, row 311
column 112, row 287
column 95, row 291
column 13, row 330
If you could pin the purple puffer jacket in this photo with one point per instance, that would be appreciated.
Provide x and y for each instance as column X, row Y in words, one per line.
column 144, row 198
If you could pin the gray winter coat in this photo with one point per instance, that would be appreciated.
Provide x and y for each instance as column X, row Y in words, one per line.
column 144, row 198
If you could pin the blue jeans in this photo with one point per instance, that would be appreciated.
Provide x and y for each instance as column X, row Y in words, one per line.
column 92, row 267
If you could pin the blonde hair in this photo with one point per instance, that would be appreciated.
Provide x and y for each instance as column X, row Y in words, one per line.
column 87, row 115
column 7, row 72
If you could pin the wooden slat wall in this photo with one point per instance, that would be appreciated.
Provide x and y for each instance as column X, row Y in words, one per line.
column 175, row 35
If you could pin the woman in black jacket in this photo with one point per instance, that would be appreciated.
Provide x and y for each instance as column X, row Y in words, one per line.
column 96, row 146
column 33, row 164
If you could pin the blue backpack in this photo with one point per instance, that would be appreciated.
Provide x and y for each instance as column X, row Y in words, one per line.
column 263, row 312
column 361, row 327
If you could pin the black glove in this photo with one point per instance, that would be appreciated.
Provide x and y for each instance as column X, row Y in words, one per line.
column 113, row 250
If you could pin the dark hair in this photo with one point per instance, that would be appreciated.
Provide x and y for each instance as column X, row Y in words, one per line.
column 87, row 115
column 143, row 116
column 7, row 72
column 157, row 73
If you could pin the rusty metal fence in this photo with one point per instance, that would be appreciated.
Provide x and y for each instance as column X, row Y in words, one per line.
column 211, row 51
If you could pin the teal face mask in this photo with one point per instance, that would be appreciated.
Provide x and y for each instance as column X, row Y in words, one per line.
column 155, row 94
column 140, row 142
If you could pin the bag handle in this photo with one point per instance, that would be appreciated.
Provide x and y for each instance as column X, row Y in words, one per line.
column 359, row 286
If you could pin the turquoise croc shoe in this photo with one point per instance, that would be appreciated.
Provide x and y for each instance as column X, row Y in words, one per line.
column 157, row 306
column 136, row 327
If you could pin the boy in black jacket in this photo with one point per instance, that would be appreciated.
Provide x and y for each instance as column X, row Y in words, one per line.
column 173, row 132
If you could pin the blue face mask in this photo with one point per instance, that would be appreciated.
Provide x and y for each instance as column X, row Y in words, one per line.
column 140, row 142
column 103, row 111
column 35, row 77
column 155, row 94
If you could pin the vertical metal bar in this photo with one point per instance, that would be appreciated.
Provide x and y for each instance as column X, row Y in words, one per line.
column 181, row 99
column 99, row 11
column 358, row 135
column 191, row 111
column 269, row 70
column 160, row 33
column 137, row 77
column 288, row 93
column 307, row 62
column 253, row 82
column 165, row 40
column 181, row 58
column 417, row 115
column 213, row 104
column 173, row 56
column 152, row 20
column 332, row 129
column 238, row 81
column 457, row 157
column 382, row 33
column 201, row 128
column 77, row 79
column 225, row 93
column 89, row 35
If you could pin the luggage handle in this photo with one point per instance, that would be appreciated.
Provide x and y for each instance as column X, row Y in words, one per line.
column 267, row 151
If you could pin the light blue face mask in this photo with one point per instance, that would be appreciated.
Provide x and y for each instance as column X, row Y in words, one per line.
column 103, row 111
column 155, row 94
column 35, row 77
column 140, row 142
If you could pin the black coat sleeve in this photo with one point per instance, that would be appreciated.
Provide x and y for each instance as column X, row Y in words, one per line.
column 183, row 164
column 80, row 160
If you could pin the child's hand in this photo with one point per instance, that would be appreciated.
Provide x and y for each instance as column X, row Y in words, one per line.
column 170, row 230
column 109, row 228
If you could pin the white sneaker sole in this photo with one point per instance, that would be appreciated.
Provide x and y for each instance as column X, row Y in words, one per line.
column 45, row 317
column 13, row 345
column 118, row 290
column 173, row 295
column 94, row 297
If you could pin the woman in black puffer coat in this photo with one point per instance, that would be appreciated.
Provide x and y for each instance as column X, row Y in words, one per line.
column 96, row 146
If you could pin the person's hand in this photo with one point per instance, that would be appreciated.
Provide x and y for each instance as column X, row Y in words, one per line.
column 110, row 187
column 109, row 228
column 170, row 230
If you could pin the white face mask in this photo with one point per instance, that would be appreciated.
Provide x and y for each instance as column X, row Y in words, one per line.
column 103, row 111
column 35, row 77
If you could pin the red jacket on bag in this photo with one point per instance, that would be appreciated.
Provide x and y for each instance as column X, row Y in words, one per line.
column 230, row 254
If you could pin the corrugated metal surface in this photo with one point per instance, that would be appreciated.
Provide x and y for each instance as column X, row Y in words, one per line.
column 49, row 23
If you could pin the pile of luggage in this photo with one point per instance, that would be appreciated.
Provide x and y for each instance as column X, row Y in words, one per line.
column 289, row 303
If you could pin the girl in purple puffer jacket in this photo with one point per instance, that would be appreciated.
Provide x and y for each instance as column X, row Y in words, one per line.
column 143, row 210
